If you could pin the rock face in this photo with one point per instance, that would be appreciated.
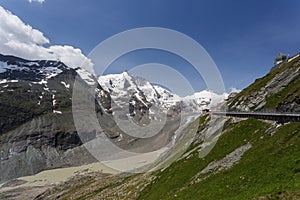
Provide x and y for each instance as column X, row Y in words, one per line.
column 32, row 88
column 45, row 142
column 36, row 125
column 277, row 91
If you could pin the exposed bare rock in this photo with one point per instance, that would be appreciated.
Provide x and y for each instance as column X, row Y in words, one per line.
column 256, row 96
column 226, row 163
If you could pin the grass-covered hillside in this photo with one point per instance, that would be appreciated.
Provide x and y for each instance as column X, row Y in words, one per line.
column 271, row 165
column 252, row 159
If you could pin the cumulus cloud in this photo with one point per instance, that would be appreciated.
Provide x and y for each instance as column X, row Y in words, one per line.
column 20, row 39
column 39, row 1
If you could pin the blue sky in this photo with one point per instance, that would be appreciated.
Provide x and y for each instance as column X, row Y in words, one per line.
column 242, row 37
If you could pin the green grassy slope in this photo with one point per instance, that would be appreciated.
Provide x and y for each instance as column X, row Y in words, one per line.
column 270, row 169
column 271, row 166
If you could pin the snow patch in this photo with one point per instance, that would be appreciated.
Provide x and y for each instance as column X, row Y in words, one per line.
column 4, row 67
column 57, row 112
column 86, row 76
column 3, row 81
column 53, row 100
column 46, row 89
column 65, row 84
column 43, row 81
column 51, row 71
column 8, row 81
column 30, row 63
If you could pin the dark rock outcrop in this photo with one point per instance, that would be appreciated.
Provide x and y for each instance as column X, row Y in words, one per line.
column 45, row 142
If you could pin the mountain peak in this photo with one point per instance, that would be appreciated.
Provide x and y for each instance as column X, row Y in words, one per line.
column 125, row 85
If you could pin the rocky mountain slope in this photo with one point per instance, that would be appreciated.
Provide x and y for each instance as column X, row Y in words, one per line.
column 37, row 131
column 277, row 91
column 36, row 126
column 30, row 89
column 250, row 159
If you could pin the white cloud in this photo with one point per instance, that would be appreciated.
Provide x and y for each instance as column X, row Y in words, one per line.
column 19, row 39
column 39, row 1
column 71, row 56
column 234, row 90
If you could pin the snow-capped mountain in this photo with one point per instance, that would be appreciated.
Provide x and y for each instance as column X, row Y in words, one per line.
column 125, row 85
column 47, row 86
column 137, row 89
column 32, row 88
column 203, row 100
column 36, row 116
column 135, row 96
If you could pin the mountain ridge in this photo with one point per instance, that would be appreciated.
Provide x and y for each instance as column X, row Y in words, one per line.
column 34, row 93
column 250, row 159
